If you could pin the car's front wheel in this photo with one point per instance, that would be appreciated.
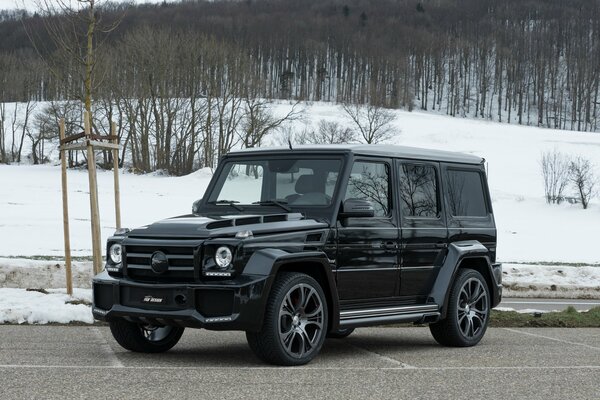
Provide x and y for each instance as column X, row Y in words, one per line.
column 340, row 333
column 468, row 311
column 144, row 338
column 295, row 321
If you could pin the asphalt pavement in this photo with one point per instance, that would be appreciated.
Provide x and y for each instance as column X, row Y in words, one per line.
column 61, row 362
column 548, row 304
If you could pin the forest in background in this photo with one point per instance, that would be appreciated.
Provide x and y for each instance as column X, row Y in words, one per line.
column 186, row 81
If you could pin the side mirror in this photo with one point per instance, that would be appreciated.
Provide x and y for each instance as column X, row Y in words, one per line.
column 357, row 208
column 196, row 206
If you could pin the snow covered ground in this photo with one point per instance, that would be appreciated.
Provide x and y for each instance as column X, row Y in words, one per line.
column 51, row 306
column 551, row 281
column 529, row 230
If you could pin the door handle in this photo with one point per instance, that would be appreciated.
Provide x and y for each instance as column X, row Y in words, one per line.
column 389, row 245
column 441, row 245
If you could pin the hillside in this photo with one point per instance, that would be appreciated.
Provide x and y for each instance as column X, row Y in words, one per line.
column 529, row 230
column 529, row 62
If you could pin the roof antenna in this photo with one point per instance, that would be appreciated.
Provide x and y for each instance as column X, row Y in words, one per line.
column 290, row 143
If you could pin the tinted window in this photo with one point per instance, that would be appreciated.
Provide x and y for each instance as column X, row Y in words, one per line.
column 292, row 181
column 418, row 191
column 465, row 194
column 324, row 179
column 370, row 181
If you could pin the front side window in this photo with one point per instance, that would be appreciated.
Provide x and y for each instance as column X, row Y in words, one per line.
column 290, row 181
column 418, row 191
column 370, row 181
column 464, row 193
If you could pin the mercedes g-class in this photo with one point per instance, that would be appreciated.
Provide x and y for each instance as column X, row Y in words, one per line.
column 296, row 245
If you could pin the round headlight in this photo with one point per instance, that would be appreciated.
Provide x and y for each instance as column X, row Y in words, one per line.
column 115, row 253
column 223, row 257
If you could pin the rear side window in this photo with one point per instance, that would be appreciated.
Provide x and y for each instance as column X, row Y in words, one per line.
column 369, row 181
column 418, row 191
column 464, row 194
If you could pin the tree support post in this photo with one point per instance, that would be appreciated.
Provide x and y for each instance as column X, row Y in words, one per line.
column 65, row 199
column 93, row 186
column 90, row 144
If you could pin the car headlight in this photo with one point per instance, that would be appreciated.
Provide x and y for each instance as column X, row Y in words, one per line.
column 223, row 257
column 115, row 253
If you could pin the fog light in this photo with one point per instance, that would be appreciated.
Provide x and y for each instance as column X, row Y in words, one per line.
column 115, row 253
column 223, row 257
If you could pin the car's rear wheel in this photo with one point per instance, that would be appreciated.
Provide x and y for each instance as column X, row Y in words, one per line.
column 295, row 321
column 145, row 338
column 468, row 311
column 340, row 333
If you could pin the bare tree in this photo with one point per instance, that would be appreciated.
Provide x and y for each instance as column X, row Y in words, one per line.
column 2, row 133
column 45, row 126
column 43, row 129
column 374, row 123
column 19, row 128
column 555, row 171
column 259, row 120
column 77, row 30
column 330, row 132
column 583, row 179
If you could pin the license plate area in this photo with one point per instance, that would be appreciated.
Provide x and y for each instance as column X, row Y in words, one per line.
column 156, row 299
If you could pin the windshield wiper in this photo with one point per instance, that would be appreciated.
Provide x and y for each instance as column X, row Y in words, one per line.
column 278, row 203
column 231, row 203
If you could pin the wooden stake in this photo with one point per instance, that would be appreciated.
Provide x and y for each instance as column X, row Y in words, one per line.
column 65, row 201
column 113, row 132
column 93, row 186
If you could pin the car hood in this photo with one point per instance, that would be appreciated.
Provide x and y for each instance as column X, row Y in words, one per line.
column 199, row 226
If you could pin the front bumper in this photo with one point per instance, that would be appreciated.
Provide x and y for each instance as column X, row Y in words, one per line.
column 235, row 304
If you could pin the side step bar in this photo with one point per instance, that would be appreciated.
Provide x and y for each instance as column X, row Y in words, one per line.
column 380, row 316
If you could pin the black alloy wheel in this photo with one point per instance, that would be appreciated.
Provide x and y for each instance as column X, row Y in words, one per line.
column 468, row 311
column 145, row 338
column 295, row 322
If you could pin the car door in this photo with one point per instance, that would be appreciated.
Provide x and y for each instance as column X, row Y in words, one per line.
column 423, row 232
column 469, row 209
column 367, row 262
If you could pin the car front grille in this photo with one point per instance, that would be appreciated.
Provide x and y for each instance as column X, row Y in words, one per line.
column 180, row 255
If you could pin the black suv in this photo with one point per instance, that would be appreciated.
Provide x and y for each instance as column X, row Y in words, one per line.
column 295, row 245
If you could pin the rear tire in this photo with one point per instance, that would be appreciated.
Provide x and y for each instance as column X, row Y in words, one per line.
column 295, row 321
column 468, row 311
column 340, row 333
column 144, row 338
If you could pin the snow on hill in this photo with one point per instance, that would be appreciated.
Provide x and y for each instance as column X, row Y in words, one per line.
column 529, row 230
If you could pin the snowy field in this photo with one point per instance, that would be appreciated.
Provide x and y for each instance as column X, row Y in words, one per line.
column 529, row 230
column 561, row 240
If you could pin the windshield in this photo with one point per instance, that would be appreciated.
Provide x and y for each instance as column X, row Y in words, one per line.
column 277, row 182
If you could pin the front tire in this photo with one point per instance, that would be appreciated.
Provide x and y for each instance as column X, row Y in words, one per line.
column 468, row 311
column 143, row 338
column 295, row 321
column 340, row 333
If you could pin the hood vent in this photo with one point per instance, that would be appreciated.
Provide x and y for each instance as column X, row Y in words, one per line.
column 314, row 237
column 256, row 219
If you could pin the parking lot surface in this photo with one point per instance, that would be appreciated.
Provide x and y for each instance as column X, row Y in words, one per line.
column 374, row 363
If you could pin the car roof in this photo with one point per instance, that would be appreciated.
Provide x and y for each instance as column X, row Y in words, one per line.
column 384, row 150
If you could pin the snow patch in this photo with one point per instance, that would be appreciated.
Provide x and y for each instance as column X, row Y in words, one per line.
column 18, row 306
column 555, row 281
column 27, row 273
